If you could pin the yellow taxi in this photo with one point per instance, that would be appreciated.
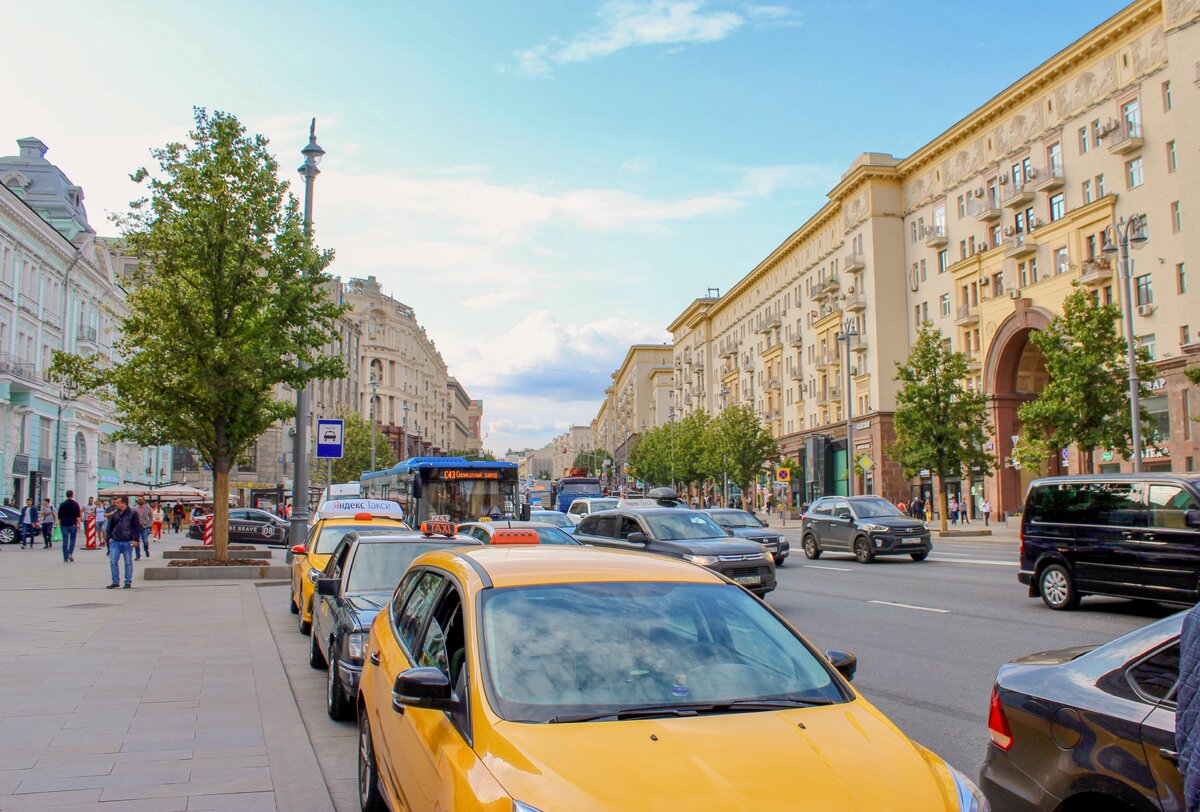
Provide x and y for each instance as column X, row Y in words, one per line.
column 334, row 519
column 546, row 678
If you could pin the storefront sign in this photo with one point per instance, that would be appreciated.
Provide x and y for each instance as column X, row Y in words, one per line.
column 1107, row 456
column 1153, row 453
column 1157, row 384
column 863, row 426
column 924, row 472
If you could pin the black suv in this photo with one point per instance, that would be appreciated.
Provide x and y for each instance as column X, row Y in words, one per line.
column 864, row 525
column 682, row 533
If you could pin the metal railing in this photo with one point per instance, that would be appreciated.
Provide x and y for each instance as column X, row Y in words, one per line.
column 14, row 365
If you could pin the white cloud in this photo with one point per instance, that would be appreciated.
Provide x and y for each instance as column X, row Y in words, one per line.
column 631, row 23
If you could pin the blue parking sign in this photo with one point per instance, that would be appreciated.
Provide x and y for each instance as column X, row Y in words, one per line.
column 329, row 439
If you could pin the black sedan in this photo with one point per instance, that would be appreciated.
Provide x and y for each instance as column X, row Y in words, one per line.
column 249, row 526
column 547, row 534
column 1088, row 728
column 682, row 533
column 866, row 526
column 356, row 584
column 10, row 525
column 745, row 525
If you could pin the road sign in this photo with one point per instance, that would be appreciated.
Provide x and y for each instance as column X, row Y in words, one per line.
column 1066, row 454
column 783, row 475
column 865, row 462
column 1106, row 456
column 329, row 439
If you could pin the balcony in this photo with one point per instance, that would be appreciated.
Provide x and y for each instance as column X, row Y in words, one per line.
column 1126, row 139
column 988, row 210
column 1019, row 245
column 86, row 337
column 774, row 384
column 854, row 302
column 935, row 236
column 1050, row 179
column 13, row 365
column 769, row 323
column 825, row 288
column 796, row 373
column 860, row 343
column 854, row 262
column 1096, row 271
column 974, row 365
column 967, row 315
column 796, row 341
column 833, row 394
column 1017, row 196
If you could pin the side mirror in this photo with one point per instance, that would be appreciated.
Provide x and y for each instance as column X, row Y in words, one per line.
column 845, row 662
column 636, row 538
column 1192, row 518
column 844, row 514
column 298, row 549
column 328, row 587
column 423, row 688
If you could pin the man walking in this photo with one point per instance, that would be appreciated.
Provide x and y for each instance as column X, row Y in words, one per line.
column 29, row 517
column 986, row 510
column 1187, row 709
column 176, row 517
column 47, row 518
column 144, row 513
column 68, row 519
column 124, row 531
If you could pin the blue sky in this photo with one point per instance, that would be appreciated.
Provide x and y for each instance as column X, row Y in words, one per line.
column 544, row 182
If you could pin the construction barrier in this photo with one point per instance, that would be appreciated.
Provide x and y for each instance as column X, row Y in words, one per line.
column 89, row 532
column 208, row 529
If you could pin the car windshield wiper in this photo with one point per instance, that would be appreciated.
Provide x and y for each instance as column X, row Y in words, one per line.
column 698, row 709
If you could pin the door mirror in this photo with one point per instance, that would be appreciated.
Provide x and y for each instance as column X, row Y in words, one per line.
column 636, row 538
column 1192, row 518
column 845, row 662
column 298, row 549
column 423, row 688
column 328, row 587
column 845, row 515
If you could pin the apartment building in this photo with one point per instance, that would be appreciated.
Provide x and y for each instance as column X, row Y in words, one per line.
column 641, row 396
column 981, row 232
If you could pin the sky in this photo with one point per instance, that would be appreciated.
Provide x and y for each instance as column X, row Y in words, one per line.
column 544, row 181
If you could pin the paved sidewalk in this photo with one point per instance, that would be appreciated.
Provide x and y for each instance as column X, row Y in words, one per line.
column 168, row 696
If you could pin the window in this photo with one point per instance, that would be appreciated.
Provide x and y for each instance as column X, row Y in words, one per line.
column 1019, row 222
column 1172, row 160
column 1100, row 185
column 998, row 284
column 417, row 607
column 1144, row 290
column 1054, row 159
column 962, row 205
column 1176, row 218
column 1157, row 409
column 995, row 235
column 916, row 314
column 1134, row 173
column 1131, row 114
column 914, row 231
column 1180, row 278
column 1166, row 96
column 1185, row 335
column 1149, row 343
column 1062, row 259
column 923, row 276
column 1101, row 503
column 1154, row 678
column 924, row 311
column 943, row 261
column 1087, row 192
column 1083, row 140
column 1057, row 207
column 944, row 304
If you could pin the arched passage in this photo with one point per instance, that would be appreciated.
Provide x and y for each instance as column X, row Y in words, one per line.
column 1014, row 373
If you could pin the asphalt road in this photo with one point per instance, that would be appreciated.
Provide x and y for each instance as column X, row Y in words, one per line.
column 929, row 636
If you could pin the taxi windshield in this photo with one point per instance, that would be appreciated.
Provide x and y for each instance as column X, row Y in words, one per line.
column 683, row 526
column 379, row 566
column 562, row 650
column 552, row 535
column 330, row 534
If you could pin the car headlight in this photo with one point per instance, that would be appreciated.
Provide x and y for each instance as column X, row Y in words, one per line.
column 970, row 799
column 703, row 560
column 520, row 807
column 873, row 528
column 355, row 643
column 313, row 574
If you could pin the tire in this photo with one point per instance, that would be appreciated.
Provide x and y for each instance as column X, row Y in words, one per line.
column 369, row 797
column 292, row 600
column 1057, row 588
column 863, row 551
column 7, row 535
column 305, row 625
column 779, row 561
column 921, row 556
column 315, row 658
column 336, row 704
column 811, row 551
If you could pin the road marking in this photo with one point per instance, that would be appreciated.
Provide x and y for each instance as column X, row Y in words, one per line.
column 910, row 606
column 959, row 555
column 831, row 569
column 974, row 561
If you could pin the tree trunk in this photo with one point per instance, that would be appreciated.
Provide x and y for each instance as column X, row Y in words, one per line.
column 221, row 511
column 940, row 495
column 1091, row 458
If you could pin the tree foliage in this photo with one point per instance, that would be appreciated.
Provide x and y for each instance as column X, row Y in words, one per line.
column 228, row 303
column 940, row 424
column 1086, row 402
column 356, row 451
column 739, row 446
column 592, row 461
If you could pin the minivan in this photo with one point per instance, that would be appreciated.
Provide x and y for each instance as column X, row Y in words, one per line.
column 1126, row 535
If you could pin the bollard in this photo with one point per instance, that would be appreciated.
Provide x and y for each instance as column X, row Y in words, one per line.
column 89, row 532
column 208, row 530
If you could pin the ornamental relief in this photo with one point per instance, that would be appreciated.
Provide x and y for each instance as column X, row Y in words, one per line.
column 1177, row 10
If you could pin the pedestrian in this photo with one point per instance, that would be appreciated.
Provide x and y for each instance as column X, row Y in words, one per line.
column 29, row 518
column 176, row 516
column 952, row 510
column 156, row 522
column 916, row 508
column 143, row 512
column 68, row 519
column 99, row 514
column 1187, row 709
column 124, row 531
column 47, row 518
column 986, row 510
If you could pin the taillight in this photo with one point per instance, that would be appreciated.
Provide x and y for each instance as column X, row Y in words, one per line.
column 1021, row 538
column 997, row 723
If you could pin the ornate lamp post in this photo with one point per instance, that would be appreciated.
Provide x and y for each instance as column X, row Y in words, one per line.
column 68, row 390
column 849, row 330
column 1129, row 230
column 374, row 384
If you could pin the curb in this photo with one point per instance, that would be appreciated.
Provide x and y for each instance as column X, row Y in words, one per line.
column 248, row 572
column 196, row 555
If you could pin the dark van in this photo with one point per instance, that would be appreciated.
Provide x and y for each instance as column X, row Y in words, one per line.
column 1127, row 535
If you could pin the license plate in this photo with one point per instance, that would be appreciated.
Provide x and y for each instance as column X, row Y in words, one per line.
column 748, row 580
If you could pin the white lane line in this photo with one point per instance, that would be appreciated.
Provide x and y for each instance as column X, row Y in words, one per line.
column 958, row 555
column 831, row 569
column 974, row 561
column 910, row 606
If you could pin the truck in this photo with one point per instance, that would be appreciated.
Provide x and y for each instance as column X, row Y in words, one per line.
column 570, row 488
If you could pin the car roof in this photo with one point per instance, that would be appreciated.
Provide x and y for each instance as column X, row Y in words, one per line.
column 650, row 511
column 1147, row 477
column 506, row 523
column 531, row 565
column 392, row 538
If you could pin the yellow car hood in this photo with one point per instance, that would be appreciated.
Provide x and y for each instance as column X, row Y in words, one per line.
column 842, row 758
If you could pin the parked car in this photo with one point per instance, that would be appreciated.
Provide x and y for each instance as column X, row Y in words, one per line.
column 588, row 505
column 686, row 534
column 1089, row 728
column 599, row 680
column 745, row 525
column 10, row 525
column 355, row 584
column 1129, row 535
column 866, row 526
column 546, row 534
column 552, row 517
column 248, row 526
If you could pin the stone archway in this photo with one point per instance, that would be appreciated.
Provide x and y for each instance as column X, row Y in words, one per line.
column 1014, row 373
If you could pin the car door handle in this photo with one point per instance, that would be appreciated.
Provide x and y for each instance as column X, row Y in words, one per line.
column 1169, row 755
column 374, row 658
column 1128, row 534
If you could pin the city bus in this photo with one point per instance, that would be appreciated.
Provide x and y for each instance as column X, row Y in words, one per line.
column 449, row 489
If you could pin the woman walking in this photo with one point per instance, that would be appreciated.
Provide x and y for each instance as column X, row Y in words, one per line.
column 47, row 524
column 156, row 521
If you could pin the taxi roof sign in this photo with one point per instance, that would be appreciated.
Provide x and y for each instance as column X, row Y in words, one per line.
column 447, row 529
column 351, row 508
column 515, row 535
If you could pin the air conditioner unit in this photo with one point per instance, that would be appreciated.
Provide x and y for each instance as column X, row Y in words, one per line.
column 914, row 287
column 979, row 191
column 1003, row 179
column 1145, row 310
column 1009, row 231
column 1015, row 293
column 1031, row 174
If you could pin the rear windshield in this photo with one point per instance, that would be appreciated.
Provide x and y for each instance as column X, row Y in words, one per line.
column 576, row 488
column 330, row 534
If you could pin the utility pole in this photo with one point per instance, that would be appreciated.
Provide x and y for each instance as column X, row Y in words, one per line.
column 849, row 330
column 1129, row 230
column 374, row 386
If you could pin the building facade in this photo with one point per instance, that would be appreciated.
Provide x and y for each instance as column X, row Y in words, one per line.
column 640, row 398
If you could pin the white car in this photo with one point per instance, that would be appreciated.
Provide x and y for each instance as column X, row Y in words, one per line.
column 589, row 505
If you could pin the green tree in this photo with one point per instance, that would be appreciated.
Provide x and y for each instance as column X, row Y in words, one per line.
column 227, row 304
column 356, row 452
column 689, row 438
column 940, row 424
column 591, row 461
column 1193, row 375
column 1086, row 402
column 738, row 446
column 649, row 459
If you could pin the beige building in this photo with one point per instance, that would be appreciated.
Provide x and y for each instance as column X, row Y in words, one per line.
column 567, row 446
column 640, row 398
column 981, row 232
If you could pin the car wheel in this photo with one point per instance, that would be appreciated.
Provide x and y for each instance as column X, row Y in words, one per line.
column 1057, row 588
column 294, row 607
column 862, row 550
column 779, row 561
column 305, row 625
column 811, row 550
column 921, row 556
column 315, row 658
column 7, row 535
column 369, row 798
column 336, row 704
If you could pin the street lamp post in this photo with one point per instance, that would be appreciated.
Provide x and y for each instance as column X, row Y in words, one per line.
column 312, row 153
column 404, row 455
column 374, row 385
column 67, row 390
column 849, row 330
column 1129, row 230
